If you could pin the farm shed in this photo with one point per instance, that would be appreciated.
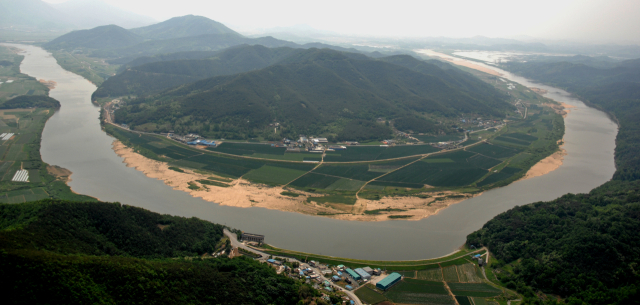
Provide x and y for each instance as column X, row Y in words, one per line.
column 389, row 281
column 363, row 274
column 353, row 274
column 368, row 270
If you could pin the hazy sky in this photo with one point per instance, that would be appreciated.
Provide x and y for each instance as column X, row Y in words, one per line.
column 581, row 20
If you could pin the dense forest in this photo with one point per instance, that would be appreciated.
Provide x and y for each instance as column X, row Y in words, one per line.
column 30, row 101
column 79, row 252
column 582, row 248
column 315, row 91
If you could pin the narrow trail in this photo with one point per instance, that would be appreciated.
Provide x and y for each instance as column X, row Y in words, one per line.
column 450, row 293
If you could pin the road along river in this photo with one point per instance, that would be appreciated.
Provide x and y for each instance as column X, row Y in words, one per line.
column 74, row 140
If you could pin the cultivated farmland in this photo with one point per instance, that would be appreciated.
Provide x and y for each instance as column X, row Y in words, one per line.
column 369, row 296
column 468, row 273
column 430, row 274
column 474, row 290
column 450, row 274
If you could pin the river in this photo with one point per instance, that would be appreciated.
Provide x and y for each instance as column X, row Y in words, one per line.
column 73, row 139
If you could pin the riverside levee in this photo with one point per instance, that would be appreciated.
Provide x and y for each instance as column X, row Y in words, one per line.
column 73, row 139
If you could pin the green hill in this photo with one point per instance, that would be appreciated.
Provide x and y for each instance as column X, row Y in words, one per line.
column 156, row 76
column 183, row 26
column 108, row 253
column 102, row 37
column 311, row 91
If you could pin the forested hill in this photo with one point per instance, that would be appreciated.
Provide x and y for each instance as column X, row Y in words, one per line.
column 102, row 37
column 57, row 252
column 183, row 26
column 155, row 76
column 309, row 90
column 583, row 248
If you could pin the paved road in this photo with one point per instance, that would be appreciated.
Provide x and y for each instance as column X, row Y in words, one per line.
column 235, row 243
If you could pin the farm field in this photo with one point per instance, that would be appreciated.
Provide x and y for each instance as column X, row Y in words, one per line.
column 369, row 296
column 450, row 274
column 469, row 273
column 473, row 289
column 430, row 274
column 273, row 174
column 462, row 300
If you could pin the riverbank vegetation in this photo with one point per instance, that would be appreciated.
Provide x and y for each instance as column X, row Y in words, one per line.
column 578, row 249
column 108, row 253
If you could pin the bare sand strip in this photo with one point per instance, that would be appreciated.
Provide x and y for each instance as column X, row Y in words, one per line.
column 546, row 165
column 460, row 62
column 244, row 194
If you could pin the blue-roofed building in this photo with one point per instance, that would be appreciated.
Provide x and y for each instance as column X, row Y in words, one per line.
column 339, row 273
column 335, row 278
column 389, row 281
column 348, row 287
column 365, row 275
column 353, row 274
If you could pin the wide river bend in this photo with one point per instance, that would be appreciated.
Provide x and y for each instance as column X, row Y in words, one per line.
column 73, row 139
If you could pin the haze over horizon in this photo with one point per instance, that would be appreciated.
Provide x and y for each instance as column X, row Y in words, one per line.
column 589, row 21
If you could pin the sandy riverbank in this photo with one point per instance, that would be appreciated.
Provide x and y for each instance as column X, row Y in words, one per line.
column 461, row 62
column 546, row 165
column 49, row 83
column 243, row 194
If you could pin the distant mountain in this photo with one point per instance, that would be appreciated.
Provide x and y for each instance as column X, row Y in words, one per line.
column 209, row 42
column 87, row 14
column 102, row 37
column 184, row 26
column 308, row 91
column 157, row 74
column 33, row 14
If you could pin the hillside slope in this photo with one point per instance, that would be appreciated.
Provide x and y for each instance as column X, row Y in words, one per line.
column 308, row 91
column 160, row 75
column 108, row 253
column 183, row 26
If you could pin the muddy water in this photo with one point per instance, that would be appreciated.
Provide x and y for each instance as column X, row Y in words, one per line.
column 73, row 139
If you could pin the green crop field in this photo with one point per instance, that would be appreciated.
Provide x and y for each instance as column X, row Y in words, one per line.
column 504, row 174
column 355, row 171
column 521, row 136
column 354, row 153
column 473, row 289
column 273, row 175
column 430, row 274
column 312, row 180
column 450, row 274
column 345, row 185
column 248, row 149
column 511, row 141
column 419, row 286
column 369, row 296
column 421, row 298
column 432, row 139
column 494, row 151
column 462, row 300
column 481, row 301
column 468, row 273
column 457, row 173
column 407, row 274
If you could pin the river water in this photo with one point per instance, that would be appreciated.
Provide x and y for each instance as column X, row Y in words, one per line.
column 73, row 139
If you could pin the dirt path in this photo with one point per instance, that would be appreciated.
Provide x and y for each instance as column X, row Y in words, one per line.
column 449, row 291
